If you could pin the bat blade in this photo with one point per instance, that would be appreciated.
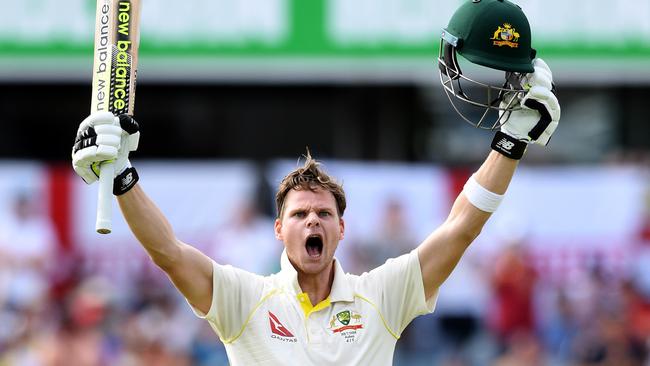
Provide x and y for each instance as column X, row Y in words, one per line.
column 117, row 38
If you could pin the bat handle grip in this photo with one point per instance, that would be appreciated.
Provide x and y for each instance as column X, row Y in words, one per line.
column 105, row 198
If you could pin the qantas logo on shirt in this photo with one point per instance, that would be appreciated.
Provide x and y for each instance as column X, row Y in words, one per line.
column 279, row 331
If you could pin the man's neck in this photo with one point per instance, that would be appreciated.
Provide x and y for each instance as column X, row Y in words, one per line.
column 317, row 286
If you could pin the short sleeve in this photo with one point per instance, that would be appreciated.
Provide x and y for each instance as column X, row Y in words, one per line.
column 400, row 290
column 235, row 293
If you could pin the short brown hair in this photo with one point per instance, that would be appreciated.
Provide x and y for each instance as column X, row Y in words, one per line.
column 309, row 176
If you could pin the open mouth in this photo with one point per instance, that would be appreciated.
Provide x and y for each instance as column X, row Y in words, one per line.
column 314, row 246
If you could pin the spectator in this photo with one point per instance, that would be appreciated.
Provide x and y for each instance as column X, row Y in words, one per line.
column 392, row 237
column 513, row 286
column 247, row 233
column 522, row 348
column 27, row 243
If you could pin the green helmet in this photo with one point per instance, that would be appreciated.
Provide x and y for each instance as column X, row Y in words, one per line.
column 491, row 33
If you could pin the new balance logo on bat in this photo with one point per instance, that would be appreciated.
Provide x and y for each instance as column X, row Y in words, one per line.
column 505, row 144
column 279, row 331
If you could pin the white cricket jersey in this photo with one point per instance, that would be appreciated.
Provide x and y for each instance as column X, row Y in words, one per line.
column 270, row 321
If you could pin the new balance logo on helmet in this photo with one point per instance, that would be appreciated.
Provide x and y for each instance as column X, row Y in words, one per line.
column 505, row 144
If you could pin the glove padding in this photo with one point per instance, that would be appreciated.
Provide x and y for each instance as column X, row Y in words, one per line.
column 102, row 137
column 539, row 115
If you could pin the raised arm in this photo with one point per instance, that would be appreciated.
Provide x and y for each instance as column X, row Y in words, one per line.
column 188, row 268
column 441, row 251
column 535, row 122
column 103, row 137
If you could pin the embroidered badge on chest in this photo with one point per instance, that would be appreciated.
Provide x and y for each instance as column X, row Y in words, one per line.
column 348, row 324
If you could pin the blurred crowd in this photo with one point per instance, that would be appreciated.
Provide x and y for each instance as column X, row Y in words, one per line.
column 60, row 307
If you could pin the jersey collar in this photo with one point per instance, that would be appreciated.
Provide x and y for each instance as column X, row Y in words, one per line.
column 341, row 290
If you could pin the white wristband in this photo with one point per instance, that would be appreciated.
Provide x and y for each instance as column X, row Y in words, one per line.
column 480, row 197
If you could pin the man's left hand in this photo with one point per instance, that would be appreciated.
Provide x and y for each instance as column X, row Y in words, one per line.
column 539, row 115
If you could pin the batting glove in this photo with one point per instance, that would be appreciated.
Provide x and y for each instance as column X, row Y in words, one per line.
column 536, row 120
column 102, row 137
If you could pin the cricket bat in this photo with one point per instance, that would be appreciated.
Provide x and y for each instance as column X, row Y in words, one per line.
column 117, row 37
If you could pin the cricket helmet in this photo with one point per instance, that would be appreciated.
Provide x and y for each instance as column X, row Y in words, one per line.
column 493, row 34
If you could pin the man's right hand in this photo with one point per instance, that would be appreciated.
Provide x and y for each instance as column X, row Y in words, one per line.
column 103, row 137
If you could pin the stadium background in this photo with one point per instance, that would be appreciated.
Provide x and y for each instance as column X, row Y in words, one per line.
column 231, row 95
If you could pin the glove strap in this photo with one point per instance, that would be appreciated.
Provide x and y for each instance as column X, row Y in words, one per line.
column 508, row 145
column 125, row 181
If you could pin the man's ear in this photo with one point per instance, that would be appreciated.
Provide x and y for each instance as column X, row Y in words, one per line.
column 277, row 227
column 342, row 228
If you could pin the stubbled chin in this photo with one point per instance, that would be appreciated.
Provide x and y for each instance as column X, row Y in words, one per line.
column 313, row 264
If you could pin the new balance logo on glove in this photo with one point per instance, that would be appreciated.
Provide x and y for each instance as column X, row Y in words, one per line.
column 127, row 180
column 505, row 144
column 508, row 145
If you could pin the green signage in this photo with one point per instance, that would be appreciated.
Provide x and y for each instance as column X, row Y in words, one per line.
column 320, row 30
